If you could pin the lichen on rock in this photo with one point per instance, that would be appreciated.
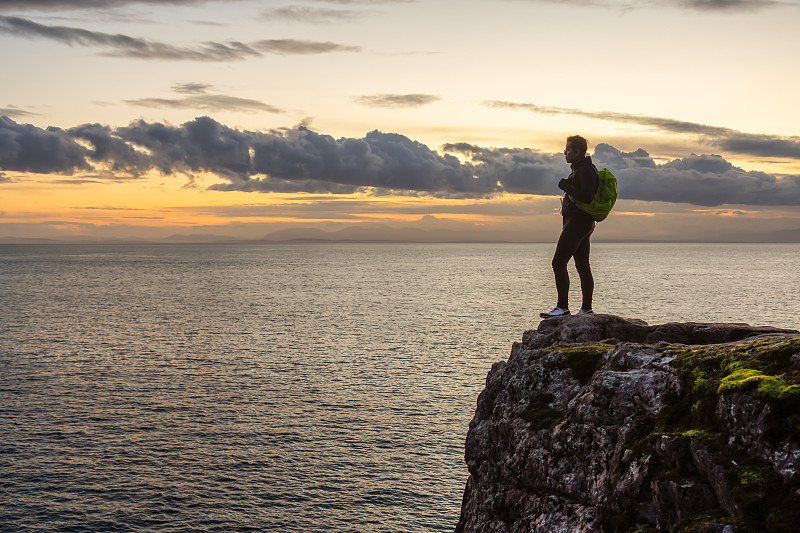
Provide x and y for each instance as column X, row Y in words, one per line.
column 600, row 423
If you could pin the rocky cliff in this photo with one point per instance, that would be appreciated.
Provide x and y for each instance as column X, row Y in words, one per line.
column 599, row 423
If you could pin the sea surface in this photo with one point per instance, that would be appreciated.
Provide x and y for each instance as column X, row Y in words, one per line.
column 297, row 387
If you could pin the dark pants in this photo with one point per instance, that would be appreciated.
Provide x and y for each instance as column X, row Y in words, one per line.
column 574, row 242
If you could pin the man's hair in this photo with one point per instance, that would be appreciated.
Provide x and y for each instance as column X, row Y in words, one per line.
column 578, row 143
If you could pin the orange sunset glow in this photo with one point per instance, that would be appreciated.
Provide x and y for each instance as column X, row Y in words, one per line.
column 329, row 119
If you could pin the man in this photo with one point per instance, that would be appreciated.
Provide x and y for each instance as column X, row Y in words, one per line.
column 577, row 228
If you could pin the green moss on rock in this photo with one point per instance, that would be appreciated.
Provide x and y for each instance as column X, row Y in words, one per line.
column 582, row 360
column 765, row 370
column 768, row 388
column 539, row 414
column 750, row 486
column 703, row 521
column 705, row 364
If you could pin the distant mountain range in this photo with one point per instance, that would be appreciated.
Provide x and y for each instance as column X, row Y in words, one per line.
column 384, row 233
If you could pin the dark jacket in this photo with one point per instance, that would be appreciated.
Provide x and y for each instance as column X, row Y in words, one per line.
column 581, row 185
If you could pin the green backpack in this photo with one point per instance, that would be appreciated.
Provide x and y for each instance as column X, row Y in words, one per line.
column 604, row 198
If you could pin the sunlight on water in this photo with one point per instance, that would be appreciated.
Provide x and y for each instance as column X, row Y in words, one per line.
column 295, row 387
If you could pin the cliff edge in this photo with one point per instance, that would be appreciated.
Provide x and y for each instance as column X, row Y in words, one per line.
column 600, row 423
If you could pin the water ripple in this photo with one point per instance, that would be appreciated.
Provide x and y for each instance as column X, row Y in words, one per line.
column 290, row 388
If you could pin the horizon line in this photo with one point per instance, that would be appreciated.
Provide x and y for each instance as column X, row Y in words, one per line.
column 11, row 241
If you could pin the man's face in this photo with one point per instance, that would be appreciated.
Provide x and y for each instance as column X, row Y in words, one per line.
column 571, row 154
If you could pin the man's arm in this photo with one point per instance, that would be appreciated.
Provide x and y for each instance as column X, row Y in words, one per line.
column 581, row 186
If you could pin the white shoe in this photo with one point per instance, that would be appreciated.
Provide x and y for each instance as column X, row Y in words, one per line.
column 585, row 312
column 555, row 312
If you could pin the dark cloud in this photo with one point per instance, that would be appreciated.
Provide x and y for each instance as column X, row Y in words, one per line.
column 518, row 170
column 17, row 5
column 730, row 5
column 656, row 123
column 706, row 180
column 397, row 100
column 293, row 46
column 722, row 6
column 126, row 46
column 82, row 181
column 291, row 160
column 208, row 23
column 672, row 184
column 314, row 15
column 698, row 5
column 301, row 160
column 26, row 148
column 608, row 156
column 200, row 145
column 325, row 206
column 208, row 102
column 108, row 208
column 366, row 2
column 107, row 147
column 714, row 136
column 759, row 145
column 383, row 160
column 191, row 88
column 15, row 112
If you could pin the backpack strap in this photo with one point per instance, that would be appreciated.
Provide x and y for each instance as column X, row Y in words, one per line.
column 596, row 179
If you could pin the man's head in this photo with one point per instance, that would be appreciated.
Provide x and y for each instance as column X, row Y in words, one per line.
column 576, row 148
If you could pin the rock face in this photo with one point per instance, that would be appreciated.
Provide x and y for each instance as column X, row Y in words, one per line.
column 599, row 423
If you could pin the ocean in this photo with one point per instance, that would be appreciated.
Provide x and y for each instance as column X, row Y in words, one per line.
column 296, row 387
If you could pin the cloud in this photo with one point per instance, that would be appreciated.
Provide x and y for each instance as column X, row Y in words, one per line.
column 730, row 5
column 125, row 46
column 313, row 15
column 108, row 208
column 107, row 147
column 120, row 45
column 657, row 123
column 521, row 171
column 397, row 100
column 367, row 2
column 209, row 102
column 608, row 156
column 382, row 160
column 13, row 112
column 301, row 160
column 325, row 206
column 725, row 6
column 17, row 5
column 80, row 181
column 87, row 4
column 722, row 138
column 689, row 185
column 26, row 148
column 706, row 180
column 293, row 46
column 191, row 88
column 200, row 145
column 722, row 6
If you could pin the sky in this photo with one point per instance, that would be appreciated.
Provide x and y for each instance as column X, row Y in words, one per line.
column 395, row 119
